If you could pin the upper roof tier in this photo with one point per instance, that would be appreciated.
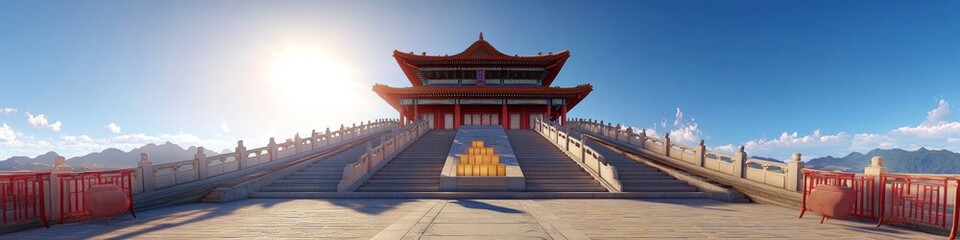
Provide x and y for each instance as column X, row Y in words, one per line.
column 480, row 55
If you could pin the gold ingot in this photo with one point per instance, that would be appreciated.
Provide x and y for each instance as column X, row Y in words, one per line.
column 472, row 151
column 459, row 169
column 484, row 171
column 488, row 151
column 495, row 159
column 476, row 170
column 475, row 159
column 467, row 170
column 464, row 158
column 501, row 170
column 477, row 143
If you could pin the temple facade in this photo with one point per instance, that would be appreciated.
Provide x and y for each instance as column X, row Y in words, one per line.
column 481, row 86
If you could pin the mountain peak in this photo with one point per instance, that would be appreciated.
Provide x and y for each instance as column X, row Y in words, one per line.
column 922, row 160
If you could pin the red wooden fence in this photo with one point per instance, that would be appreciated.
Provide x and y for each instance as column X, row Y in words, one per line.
column 897, row 199
column 22, row 197
column 73, row 189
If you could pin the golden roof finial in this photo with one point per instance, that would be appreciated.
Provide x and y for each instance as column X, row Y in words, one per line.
column 481, row 35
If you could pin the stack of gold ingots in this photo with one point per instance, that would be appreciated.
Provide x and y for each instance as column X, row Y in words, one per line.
column 480, row 161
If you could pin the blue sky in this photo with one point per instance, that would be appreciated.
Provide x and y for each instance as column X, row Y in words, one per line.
column 843, row 75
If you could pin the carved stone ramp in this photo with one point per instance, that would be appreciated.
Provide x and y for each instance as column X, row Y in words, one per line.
column 756, row 192
column 243, row 188
column 546, row 168
column 320, row 176
column 639, row 177
column 415, row 169
column 197, row 190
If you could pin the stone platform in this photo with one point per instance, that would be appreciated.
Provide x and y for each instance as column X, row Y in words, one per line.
column 472, row 219
column 495, row 137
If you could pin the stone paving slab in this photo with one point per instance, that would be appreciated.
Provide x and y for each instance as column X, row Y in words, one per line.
column 470, row 219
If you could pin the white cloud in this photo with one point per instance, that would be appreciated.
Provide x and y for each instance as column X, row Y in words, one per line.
column 41, row 121
column 7, row 134
column 938, row 115
column 7, row 110
column 14, row 142
column 935, row 132
column 224, row 127
column 687, row 132
column 114, row 128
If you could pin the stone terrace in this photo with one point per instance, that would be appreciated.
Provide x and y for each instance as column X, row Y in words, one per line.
column 484, row 219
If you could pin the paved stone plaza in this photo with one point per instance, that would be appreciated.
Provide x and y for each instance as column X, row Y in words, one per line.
column 459, row 219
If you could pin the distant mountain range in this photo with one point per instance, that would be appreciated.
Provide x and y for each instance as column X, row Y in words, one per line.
column 111, row 158
column 896, row 160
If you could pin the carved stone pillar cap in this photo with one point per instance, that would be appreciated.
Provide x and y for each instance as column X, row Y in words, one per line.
column 876, row 161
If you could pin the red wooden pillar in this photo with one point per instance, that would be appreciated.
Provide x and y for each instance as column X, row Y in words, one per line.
column 456, row 116
column 402, row 117
column 416, row 113
column 563, row 115
column 504, row 118
column 548, row 116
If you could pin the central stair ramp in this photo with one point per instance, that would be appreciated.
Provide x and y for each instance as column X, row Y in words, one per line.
column 547, row 168
column 415, row 169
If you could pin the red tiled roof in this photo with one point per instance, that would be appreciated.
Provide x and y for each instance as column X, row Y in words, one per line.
column 480, row 54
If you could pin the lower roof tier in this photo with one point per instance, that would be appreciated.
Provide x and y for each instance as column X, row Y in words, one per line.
column 395, row 95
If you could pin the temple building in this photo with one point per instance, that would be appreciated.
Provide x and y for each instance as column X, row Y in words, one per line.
column 482, row 86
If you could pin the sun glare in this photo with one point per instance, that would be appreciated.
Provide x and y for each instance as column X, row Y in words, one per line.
column 314, row 87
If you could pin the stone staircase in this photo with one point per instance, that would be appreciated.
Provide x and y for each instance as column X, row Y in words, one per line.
column 638, row 177
column 546, row 168
column 417, row 168
column 321, row 176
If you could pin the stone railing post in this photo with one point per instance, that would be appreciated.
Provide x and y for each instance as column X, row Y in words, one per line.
column 583, row 149
column 795, row 174
column 58, row 168
column 272, row 149
column 327, row 136
column 369, row 155
column 241, row 153
column 875, row 169
column 739, row 163
column 313, row 139
column 145, row 166
column 200, row 159
column 666, row 144
column 298, row 143
column 643, row 137
column 701, row 153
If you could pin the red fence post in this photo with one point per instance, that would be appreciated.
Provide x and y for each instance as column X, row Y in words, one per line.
column 24, row 192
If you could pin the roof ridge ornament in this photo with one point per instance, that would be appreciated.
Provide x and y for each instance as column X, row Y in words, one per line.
column 481, row 36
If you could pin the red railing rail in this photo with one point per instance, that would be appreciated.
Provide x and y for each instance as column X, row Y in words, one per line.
column 22, row 197
column 73, row 190
column 897, row 199
column 914, row 199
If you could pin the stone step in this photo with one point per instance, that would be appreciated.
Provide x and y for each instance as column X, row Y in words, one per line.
column 387, row 188
column 484, row 195
column 405, row 181
column 314, row 177
column 659, row 189
column 307, row 181
column 299, row 189
column 336, row 173
column 657, row 182
column 565, row 189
